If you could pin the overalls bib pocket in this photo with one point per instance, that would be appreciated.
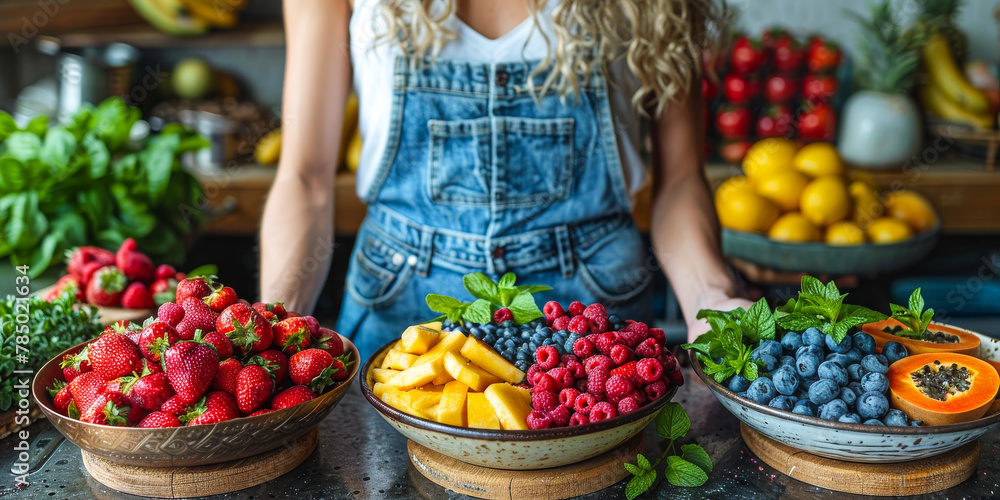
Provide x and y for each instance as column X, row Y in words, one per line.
column 614, row 268
column 379, row 271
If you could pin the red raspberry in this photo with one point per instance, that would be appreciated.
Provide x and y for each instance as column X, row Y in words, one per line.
column 547, row 357
column 583, row 348
column 649, row 370
column 617, row 386
column 602, row 411
column 561, row 323
column 562, row 376
column 639, row 397
column 599, row 325
column 659, row 335
column 566, row 358
column 629, row 371
column 576, row 308
column 503, row 314
column 596, row 380
column 668, row 361
column 578, row 419
column 538, row 420
column 627, row 405
column 676, row 378
column 553, row 310
column 655, row 390
column 606, row 341
column 567, row 397
column 583, row 403
column 577, row 369
column 545, row 383
column 579, row 324
column 649, row 349
column 621, row 354
column 597, row 360
column 533, row 372
column 635, row 332
column 594, row 311
column 544, row 401
column 560, row 416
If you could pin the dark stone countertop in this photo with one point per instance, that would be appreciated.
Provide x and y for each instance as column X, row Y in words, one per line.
column 361, row 456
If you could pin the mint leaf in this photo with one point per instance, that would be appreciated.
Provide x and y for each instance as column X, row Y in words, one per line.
column 680, row 472
column 796, row 321
column 481, row 286
column 480, row 311
column 758, row 322
column 639, row 484
column 523, row 308
column 507, row 281
column 441, row 303
column 635, row 470
column 812, row 286
column 788, row 307
column 643, row 462
column 672, row 422
column 751, row 371
column 698, row 456
column 916, row 302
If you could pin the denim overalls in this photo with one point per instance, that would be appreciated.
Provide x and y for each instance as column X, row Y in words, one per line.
column 480, row 175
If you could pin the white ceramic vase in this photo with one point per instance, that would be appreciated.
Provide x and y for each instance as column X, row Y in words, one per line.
column 879, row 130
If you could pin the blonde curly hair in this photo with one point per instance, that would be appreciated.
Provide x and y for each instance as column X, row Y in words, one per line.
column 661, row 40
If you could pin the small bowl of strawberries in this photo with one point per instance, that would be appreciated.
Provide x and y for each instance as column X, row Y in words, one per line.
column 211, row 378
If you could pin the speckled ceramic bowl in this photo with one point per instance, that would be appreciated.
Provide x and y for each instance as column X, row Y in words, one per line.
column 512, row 450
column 989, row 351
column 851, row 442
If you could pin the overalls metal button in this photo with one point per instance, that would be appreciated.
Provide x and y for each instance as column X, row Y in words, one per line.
column 501, row 78
column 497, row 252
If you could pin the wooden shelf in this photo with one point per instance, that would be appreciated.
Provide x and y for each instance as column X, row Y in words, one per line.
column 145, row 36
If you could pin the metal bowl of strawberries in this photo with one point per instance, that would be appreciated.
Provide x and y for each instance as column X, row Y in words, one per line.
column 144, row 394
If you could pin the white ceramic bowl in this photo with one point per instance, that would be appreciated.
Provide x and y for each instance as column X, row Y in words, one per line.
column 512, row 450
column 851, row 442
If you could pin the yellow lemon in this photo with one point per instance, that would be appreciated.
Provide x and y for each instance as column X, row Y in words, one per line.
column 818, row 159
column 862, row 176
column 768, row 156
column 783, row 188
column 911, row 208
column 888, row 230
column 733, row 184
column 845, row 233
column 793, row 227
column 744, row 210
column 268, row 150
column 825, row 200
column 867, row 205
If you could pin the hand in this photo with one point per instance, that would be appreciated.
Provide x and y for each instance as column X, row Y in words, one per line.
column 720, row 302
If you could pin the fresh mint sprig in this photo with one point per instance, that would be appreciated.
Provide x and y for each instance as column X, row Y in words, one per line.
column 688, row 469
column 490, row 296
column 914, row 318
column 733, row 337
column 822, row 306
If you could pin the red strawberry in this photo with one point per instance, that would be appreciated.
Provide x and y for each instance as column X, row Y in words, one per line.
column 120, row 385
column 164, row 271
column 212, row 416
column 88, row 271
column 277, row 308
column 246, row 328
column 137, row 296
column 159, row 419
column 293, row 334
column 197, row 316
column 254, row 386
column 501, row 315
column 312, row 367
column 163, row 290
column 151, row 366
column 114, row 355
column 197, row 287
column 174, row 406
column 67, row 284
column 74, row 364
column 221, row 298
column 62, row 399
column 292, row 396
column 156, row 338
column 151, row 391
column 220, row 342
column 135, row 264
column 190, row 367
column 274, row 361
column 111, row 409
column 340, row 365
column 78, row 257
column 219, row 399
column 225, row 377
column 105, row 287
column 215, row 407
column 170, row 313
column 329, row 341
column 261, row 412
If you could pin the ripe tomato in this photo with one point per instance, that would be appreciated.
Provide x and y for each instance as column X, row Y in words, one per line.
column 787, row 53
column 708, row 90
column 817, row 122
column 780, row 88
column 771, row 36
column 823, row 55
column 733, row 122
column 734, row 151
column 819, row 88
column 747, row 56
column 776, row 121
column 739, row 89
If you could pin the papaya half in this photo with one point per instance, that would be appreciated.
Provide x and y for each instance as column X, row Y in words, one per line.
column 968, row 343
column 943, row 387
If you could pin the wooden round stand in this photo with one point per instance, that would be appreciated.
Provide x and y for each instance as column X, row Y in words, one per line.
column 889, row 479
column 544, row 484
column 215, row 479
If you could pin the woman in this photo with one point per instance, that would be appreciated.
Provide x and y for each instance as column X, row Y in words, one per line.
column 498, row 136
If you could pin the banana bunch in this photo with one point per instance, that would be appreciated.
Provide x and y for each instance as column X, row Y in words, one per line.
column 947, row 93
column 189, row 17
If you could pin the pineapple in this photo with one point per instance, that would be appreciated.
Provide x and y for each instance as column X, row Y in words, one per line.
column 887, row 58
column 937, row 17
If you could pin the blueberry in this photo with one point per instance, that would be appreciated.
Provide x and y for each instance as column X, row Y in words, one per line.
column 812, row 336
column 792, row 341
column 476, row 332
column 896, row 418
column 499, row 345
column 489, row 338
column 850, row 418
column 569, row 343
column 833, row 410
column 787, row 360
column 489, row 328
column 855, row 372
column 771, row 347
column 831, row 370
column 532, row 346
column 507, row 324
column 770, row 362
column 823, row 390
column 872, row 405
column 916, row 423
column 844, row 345
column 613, row 318
column 522, row 365
column 894, row 351
column 806, row 383
column 805, row 407
column 849, row 396
column 738, row 383
column 785, row 380
column 762, row 390
column 815, row 350
column 873, row 421
column 855, row 354
column 510, row 343
column 782, row 403
column 806, row 365
column 525, row 335
column 841, row 359
column 856, row 387
column 521, row 355
column 864, row 342
column 875, row 363
column 875, row 382
column 544, row 330
column 742, row 394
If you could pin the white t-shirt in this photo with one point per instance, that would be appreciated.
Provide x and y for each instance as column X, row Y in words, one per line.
column 374, row 63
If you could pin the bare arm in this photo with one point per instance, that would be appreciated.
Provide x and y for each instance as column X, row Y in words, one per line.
column 296, row 240
column 685, row 230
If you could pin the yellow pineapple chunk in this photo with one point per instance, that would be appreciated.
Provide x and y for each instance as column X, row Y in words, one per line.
column 383, row 374
column 451, row 410
column 417, row 339
column 451, row 342
column 398, row 360
column 422, row 400
column 418, row 375
column 525, row 394
column 509, row 406
column 486, row 358
column 399, row 401
column 434, row 325
column 469, row 374
column 380, row 388
column 443, row 379
column 480, row 412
